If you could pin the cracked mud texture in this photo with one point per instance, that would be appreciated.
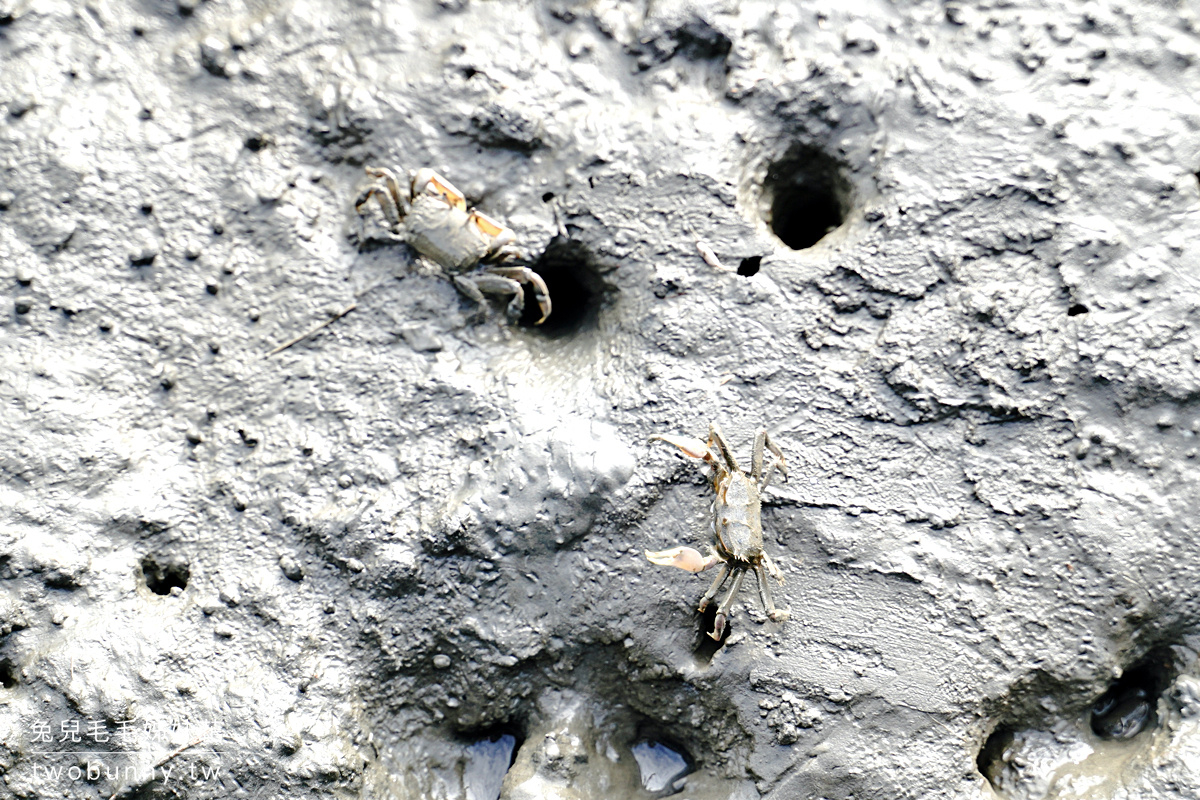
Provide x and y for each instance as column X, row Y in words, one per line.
column 960, row 287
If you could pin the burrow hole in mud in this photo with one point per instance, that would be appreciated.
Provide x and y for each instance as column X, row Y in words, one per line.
column 8, row 674
column 805, row 196
column 1128, row 706
column 663, row 763
column 1126, row 709
column 706, row 646
column 165, row 572
column 990, row 760
column 749, row 266
column 574, row 284
column 489, row 755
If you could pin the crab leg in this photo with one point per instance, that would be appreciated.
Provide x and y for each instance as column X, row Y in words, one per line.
column 386, row 189
column 716, row 437
column 523, row 275
column 771, row 568
column 726, row 604
column 473, row 286
column 763, row 442
column 764, row 592
column 717, row 583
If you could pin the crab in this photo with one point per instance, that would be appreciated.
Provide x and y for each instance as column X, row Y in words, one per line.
column 736, row 521
column 469, row 246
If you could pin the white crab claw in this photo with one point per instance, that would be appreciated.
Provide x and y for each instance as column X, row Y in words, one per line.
column 718, row 627
column 692, row 447
column 682, row 557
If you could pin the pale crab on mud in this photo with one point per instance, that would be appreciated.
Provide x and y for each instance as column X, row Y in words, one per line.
column 736, row 521
column 435, row 221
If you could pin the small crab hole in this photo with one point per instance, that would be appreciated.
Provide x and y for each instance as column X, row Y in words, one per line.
column 8, row 674
column 488, row 756
column 575, row 287
column 749, row 266
column 164, row 573
column 663, row 763
column 990, row 760
column 1128, row 707
column 706, row 647
column 805, row 197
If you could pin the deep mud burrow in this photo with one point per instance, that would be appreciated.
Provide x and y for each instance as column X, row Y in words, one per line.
column 1071, row 743
column 580, row 720
column 806, row 196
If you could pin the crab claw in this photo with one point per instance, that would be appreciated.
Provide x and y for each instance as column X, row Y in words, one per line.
column 718, row 627
column 682, row 557
column 691, row 447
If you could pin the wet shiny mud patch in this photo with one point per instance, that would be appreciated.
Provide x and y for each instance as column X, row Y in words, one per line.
column 607, row 727
column 1108, row 746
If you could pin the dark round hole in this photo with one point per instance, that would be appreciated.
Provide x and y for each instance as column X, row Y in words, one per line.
column 705, row 646
column 1076, row 309
column 1128, row 707
column 574, row 285
column 490, row 753
column 164, row 573
column 806, row 197
column 663, row 763
column 8, row 674
column 990, row 760
column 749, row 266
column 257, row 141
column 547, row 197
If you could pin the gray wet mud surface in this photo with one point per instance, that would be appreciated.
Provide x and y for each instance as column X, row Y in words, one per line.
column 951, row 266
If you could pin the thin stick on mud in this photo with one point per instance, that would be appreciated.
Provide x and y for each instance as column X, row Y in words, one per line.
column 310, row 332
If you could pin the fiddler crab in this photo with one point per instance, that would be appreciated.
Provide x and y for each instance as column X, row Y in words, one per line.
column 736, row 521
column 434, row 219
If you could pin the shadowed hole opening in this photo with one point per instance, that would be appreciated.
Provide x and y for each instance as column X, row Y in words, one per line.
column 489, row 754
column 749, row 266
column 805, row 196
column 990, row 760
column 164, row 573
column 706, row 647
column 1129, row 706
column 663, row 763
column 1076, row 309
column 575, row 287
column 8, row 674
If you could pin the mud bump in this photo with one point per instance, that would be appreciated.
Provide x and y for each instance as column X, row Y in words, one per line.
column 805, row 196
column 576, row 289
column 165, row 572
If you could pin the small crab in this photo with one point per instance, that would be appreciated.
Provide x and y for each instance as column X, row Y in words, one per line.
column 736, row 521
column 435, row 221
